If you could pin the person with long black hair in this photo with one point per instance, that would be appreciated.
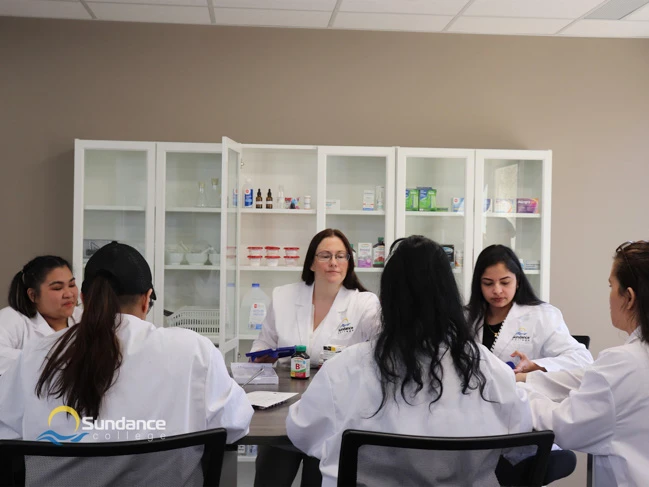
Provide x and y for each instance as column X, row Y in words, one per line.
column 42, row 300
column 513, row 323
column 121, row 378
column 423, row 375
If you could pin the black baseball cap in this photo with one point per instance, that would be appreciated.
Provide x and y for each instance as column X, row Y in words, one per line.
column 129, row 270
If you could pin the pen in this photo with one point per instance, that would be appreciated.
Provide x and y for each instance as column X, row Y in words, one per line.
column 254, row 376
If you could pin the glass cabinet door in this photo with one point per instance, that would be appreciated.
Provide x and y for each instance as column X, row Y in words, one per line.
column 230, row 225
column 435, row 199
column 188, row 236
column 359, row 201
column 513, row 208
column 114, row 198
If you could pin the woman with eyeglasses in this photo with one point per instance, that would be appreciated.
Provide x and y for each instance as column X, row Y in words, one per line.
column 329, row 306
column 513, row 323
column 42, row 300
column 123, row 377
column 423, row 375
column 603, row 408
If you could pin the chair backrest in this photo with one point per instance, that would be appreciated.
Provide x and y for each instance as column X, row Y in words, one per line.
column 583, row 339
column 12, row 452
column 352, row 440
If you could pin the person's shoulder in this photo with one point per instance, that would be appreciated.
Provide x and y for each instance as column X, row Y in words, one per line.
column 8, row 315
column 366, row 297
column 290, row 288
column 350, row 361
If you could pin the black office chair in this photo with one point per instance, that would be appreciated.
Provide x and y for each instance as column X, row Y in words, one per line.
column 353, row 440
column 12, row 453
column 585, row 340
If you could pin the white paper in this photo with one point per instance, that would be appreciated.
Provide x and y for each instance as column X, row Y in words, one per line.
column 266, row 399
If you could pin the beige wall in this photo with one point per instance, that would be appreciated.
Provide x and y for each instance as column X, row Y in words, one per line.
column 586, row 99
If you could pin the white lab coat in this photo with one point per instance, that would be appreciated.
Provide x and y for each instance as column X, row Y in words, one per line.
column 16, row 330
column 346, row 393
column 353, row 318
column 174, row 375
column 606, row 415
column 540, row 333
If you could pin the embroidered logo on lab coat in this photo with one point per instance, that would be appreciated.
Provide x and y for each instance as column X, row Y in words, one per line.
column 521, row 335
column 345, row 328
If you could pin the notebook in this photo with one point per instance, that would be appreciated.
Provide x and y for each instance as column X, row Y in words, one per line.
column 242, row 372
column 268, row 399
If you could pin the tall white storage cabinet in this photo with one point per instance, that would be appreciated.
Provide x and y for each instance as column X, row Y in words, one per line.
column 513, row 204
column 305, row 173
column 114, row 198
column 486, row 197
column 147, row 195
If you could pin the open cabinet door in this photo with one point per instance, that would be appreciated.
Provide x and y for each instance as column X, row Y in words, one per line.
column 230, row 228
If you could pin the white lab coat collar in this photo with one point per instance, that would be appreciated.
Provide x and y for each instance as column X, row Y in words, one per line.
column 506, row 334
column 635, row 335
column 43, row 328
column 340, row 304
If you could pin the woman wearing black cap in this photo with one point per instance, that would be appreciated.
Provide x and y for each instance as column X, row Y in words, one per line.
column 122, row 377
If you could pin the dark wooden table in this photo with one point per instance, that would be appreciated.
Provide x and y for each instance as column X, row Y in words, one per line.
column 268, row 426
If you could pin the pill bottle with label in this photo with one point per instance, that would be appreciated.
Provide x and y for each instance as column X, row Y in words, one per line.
column 300, row 363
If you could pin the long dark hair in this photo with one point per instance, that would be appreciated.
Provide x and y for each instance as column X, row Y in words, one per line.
column 422, row 319
column 83, row 363
column 632, row 271
column 493, row 255
column 351, row 280
column 31, row 276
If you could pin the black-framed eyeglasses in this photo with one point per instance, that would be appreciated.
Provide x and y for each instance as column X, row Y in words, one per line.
column 327, row 256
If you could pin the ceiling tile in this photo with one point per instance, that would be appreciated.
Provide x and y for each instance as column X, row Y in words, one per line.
column 607, row 28
column 150, row 13
column 185, row 3
column 317, row 5
column 403, row 22
column 271, row 18
column 641, row 14
column 507, row 26
column 430, row 7
column 548, row 9
column 43, row 8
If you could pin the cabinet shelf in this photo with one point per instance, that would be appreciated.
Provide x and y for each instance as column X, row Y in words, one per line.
column 191, row 209
column 355, row 212
column 265, row 211
column 531, row 273
column 195, row 267
column 270, row 269
column 435, row 213
column 113, row 208
column 513, row 215
column 246, row 458
column 248, row 336
column 368, row 269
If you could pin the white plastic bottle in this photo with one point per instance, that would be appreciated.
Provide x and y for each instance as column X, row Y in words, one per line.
column 253, row 310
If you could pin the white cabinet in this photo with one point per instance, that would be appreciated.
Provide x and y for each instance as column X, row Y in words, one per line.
column 482, row 197
column 183, row 206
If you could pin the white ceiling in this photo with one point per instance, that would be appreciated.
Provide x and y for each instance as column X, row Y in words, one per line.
column 626, row 18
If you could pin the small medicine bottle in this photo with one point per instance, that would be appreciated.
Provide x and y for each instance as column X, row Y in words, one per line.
column 259, row 200
column 300, row 363
column 269, row 200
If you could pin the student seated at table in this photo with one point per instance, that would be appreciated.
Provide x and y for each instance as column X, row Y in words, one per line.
column 424, row 375
column 113, row 367
column 513, row 323
column 42, row 300
column 329, row 306
column 602, row 409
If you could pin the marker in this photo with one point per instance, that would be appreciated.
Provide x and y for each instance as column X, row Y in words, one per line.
column 511, row 364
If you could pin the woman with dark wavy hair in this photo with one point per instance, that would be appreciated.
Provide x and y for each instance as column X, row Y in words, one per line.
column 423, row 375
